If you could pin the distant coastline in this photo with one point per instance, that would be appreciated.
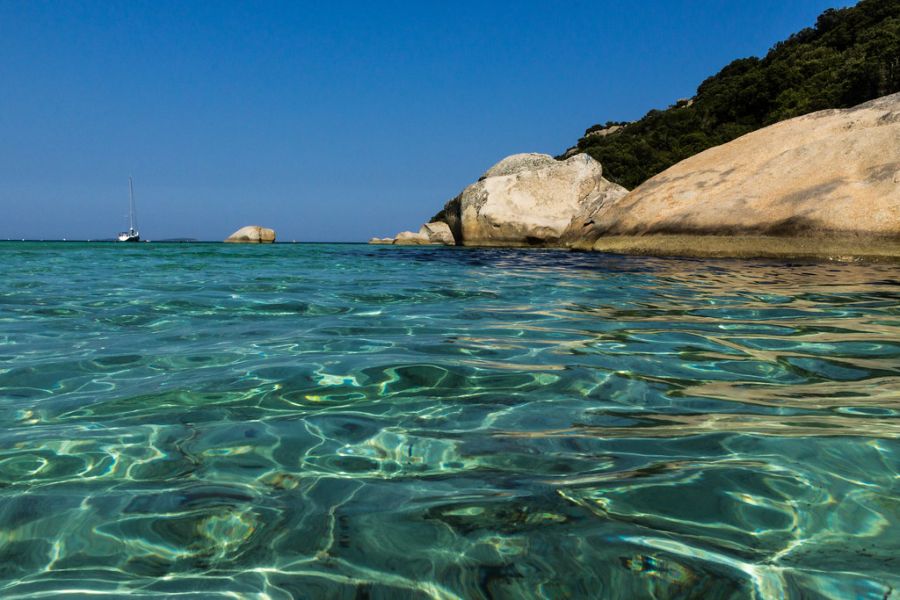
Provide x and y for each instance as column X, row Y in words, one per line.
column 104, row 240
column 167, row 241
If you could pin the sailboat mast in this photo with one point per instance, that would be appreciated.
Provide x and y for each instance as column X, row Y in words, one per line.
column 131, row 218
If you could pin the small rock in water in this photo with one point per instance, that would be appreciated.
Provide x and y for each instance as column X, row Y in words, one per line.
column 252, row 234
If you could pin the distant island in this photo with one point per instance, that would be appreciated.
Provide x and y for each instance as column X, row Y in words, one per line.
column 793, row 154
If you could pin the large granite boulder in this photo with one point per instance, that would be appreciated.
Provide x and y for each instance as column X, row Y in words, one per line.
column 833, row 174
column 527, row 200
column 252, row 234
column 437, row 233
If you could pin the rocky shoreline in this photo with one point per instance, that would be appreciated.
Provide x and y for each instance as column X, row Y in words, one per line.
column 838, row 248
column 826, row 185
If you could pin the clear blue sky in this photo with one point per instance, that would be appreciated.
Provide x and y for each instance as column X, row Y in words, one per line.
column 327, row 121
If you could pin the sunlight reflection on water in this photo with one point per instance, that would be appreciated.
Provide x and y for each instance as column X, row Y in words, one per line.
column 354, row 421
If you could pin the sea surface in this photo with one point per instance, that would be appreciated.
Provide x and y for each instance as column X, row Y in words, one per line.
column 348, row 421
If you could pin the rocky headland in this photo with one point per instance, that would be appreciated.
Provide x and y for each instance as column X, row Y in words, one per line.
column 750, row 165
column 823, row 184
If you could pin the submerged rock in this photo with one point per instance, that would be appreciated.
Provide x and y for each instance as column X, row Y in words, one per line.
column 252, row 234
column 833, row 174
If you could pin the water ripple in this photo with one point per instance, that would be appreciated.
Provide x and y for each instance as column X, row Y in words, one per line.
column 212, row 421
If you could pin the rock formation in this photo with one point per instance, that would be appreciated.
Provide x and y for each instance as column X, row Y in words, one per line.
column 526, row 200
column 252, row 234
column 433, row 233
column 824, row 184
column 409, row 238
column 438, row 233
column 829, row 174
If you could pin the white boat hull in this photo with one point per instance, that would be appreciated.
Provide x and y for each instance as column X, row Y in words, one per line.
column 132, row 235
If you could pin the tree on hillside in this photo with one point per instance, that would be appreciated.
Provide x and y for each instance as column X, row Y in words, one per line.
column 850, row 56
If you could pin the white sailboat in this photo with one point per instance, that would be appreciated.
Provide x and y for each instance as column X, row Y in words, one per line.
column 132, row 235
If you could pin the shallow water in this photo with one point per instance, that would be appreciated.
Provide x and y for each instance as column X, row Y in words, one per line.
column 346, row 421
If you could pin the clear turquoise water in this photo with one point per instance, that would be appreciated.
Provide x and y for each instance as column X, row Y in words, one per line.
column 346, row 421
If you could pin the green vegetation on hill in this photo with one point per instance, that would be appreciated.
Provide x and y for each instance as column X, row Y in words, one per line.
column 851, row 55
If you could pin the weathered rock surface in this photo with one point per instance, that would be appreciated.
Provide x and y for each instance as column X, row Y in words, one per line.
column 605, row 131
column 431, row 233
column 830, row 174
column 252, row 234
column 437, row 233
column 527, row 200
column 450, row 215
column 410, row 238
column 580, row 227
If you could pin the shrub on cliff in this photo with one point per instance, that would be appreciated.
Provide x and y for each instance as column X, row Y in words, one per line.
column 850, row 56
